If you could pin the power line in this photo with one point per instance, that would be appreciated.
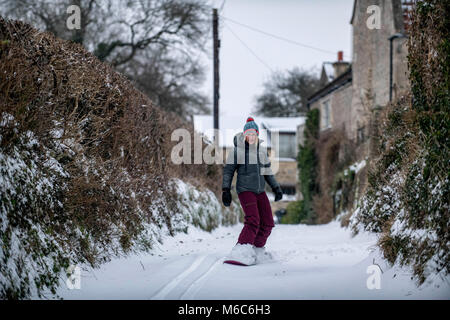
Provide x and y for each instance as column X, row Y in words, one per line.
column 248, row 48
column 221, row 7
column 278, row 37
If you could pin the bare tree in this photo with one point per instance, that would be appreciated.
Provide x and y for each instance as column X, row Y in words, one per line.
column 286, row 93
column 51, row 15
column 165, row 22
column 128, row 33
column 171, row 82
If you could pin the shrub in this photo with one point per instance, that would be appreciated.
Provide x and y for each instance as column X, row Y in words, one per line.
column 295, row 213
column 85, row 162
column 307, row 164
column 409, row 183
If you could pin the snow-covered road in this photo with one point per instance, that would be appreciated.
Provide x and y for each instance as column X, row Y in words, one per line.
column 312, row 262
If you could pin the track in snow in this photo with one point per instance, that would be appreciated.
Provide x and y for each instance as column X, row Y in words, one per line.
column 187, row 283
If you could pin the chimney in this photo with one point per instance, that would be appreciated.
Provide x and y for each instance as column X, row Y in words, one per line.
column 340, row 66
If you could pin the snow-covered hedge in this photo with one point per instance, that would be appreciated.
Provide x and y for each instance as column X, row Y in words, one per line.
column 85, row 164
column 407, row 200
column 31, row 185
column 40, row 239
column 203, row 209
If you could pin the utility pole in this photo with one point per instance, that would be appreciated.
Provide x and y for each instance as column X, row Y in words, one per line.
column 216, row 43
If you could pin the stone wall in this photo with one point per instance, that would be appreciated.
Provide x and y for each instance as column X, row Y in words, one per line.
column 370, row 61
column 340, row 107
column 287, row 173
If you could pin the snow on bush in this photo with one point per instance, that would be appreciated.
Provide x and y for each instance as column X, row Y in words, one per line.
column 31, row 183
column 40, row 240
column 85, row 163
column 407, row 199
column 408, row 208
column 202, row 209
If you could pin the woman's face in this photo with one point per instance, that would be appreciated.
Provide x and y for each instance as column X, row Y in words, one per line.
column 251, row 137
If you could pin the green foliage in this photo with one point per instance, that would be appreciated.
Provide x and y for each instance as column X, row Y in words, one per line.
column 409, row 185
column 307, row 164
column 295, row 213
column 31, row 216
column 343, row 189
column 312, row 126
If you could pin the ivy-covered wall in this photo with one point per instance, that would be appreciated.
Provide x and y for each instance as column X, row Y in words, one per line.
column 407, row 200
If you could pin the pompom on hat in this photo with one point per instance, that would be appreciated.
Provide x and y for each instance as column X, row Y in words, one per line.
column 251, row 125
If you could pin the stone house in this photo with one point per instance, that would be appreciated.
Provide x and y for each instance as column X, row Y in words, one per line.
column 335, row 97
column 352, row 94
column 352, row 90
column 371, row 62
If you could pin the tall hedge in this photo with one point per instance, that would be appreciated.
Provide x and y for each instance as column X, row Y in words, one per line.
column 307, row 162
column 85, row 163
column 407, row 200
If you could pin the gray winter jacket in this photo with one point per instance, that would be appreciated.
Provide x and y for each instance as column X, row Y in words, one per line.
column 251, row 161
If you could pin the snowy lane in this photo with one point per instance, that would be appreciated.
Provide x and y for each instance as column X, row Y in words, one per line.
column 195, row 286
column 183, row 285
column 311, row 262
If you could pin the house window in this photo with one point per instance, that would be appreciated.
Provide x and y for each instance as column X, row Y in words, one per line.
column 360, row 135
column 290, row 190
column 326, row 115
column 287, row 145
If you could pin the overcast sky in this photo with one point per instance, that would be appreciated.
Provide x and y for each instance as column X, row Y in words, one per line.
column 323, row 24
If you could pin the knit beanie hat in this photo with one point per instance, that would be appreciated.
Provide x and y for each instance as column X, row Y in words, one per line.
column 251, row 125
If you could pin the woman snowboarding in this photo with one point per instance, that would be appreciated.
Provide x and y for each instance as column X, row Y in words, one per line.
column 252, row 164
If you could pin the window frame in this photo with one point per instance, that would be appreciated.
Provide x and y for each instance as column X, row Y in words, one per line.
column 326, row 117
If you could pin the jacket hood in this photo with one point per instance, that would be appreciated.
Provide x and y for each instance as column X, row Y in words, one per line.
column 239, row 139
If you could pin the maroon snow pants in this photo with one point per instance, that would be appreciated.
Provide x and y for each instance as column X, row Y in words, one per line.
column 258, row 219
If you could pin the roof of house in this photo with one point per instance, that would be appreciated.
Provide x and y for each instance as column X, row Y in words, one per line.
column 343, row 79
column 353, row 12
column 328, row 71
column 282, row 124
column 230, row 125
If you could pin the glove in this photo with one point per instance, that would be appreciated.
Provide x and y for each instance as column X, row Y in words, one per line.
column 278, row 193
column 226, row 197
